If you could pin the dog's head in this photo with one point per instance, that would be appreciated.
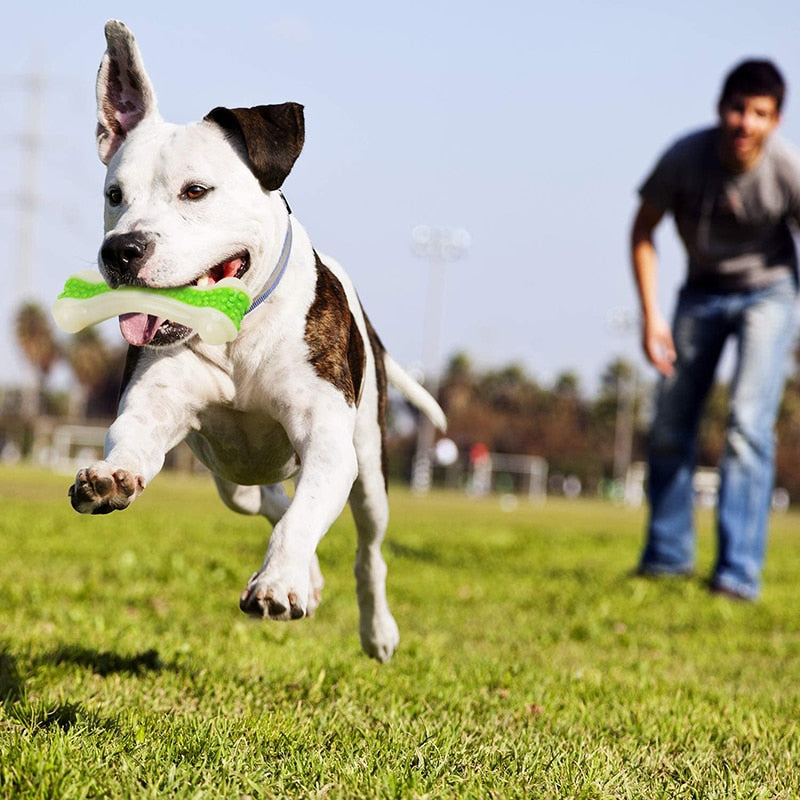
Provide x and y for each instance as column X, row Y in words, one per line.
column 186, row 205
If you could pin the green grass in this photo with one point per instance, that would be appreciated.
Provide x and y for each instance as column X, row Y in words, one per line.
column 530, row 664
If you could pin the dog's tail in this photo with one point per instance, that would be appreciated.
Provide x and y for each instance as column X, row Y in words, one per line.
column 414, row 393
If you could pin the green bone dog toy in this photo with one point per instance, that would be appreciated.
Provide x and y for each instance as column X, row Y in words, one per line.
column 215, row 312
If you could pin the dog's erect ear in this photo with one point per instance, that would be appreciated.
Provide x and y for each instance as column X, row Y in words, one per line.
column 272, row 137
column 125, row 95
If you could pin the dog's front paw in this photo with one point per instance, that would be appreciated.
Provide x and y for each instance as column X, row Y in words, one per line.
column 269, row 597
column 99, row 489
column 380, row 636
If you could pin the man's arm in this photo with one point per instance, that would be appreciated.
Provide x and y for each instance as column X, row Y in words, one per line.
column 656, row 334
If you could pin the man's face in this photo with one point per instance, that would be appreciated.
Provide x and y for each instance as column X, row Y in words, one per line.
column 745, row 123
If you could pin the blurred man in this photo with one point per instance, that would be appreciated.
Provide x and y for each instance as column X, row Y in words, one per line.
column 732, row 190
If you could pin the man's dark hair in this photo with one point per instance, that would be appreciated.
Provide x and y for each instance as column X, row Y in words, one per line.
column 755, row 78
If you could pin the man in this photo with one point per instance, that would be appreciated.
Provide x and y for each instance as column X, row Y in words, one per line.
column 732, row 190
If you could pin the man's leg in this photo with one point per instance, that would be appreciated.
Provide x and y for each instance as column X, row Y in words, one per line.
column 699, row 331
column 747, row 467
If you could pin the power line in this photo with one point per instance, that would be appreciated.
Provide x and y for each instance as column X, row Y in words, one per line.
column 30, row 144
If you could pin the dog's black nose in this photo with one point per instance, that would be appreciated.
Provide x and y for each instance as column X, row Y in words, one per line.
column 124, row 255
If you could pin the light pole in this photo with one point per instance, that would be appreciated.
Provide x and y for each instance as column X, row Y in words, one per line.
column 439, row 246
column 624, row 322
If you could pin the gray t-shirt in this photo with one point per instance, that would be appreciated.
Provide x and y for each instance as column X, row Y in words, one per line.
column 734, row 226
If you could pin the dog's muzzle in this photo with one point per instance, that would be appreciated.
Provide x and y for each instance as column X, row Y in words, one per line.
column 123, row 256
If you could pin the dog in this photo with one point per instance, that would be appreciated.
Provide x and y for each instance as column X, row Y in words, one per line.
column 300, row 393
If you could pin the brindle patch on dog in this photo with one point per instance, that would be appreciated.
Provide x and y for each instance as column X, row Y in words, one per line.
column 336, row 349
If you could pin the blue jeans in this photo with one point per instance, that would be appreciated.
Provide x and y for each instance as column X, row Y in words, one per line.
column 760, row 323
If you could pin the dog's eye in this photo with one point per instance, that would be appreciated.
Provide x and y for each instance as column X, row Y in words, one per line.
column 114, row 195
column 194, row 191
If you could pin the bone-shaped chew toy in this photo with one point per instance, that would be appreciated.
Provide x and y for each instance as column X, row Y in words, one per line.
column 215, row 312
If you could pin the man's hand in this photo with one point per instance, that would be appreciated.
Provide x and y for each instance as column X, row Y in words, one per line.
column 656, row 334
column 658, row 344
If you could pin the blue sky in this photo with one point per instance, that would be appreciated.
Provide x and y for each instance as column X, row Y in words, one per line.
column 528, row 124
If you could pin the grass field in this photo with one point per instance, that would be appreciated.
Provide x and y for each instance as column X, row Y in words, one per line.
column 531, row 664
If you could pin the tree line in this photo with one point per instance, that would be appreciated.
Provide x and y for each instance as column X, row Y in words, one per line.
column 510, row 412
column 505, row 409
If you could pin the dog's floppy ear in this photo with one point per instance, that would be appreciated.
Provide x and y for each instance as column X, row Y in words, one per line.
column 272, row 137
column 125, row 95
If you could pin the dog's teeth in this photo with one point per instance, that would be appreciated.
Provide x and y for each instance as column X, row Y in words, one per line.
column 204, row 281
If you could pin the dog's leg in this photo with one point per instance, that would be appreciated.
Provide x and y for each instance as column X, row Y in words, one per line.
column 270, row 502
column 149, row 424
column 281, row 588
column 368, row 502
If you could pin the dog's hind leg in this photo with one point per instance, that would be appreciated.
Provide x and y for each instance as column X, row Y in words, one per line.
column 270, row 502
column 370, row 507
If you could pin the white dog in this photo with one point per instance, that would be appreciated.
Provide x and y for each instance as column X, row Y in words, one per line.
column 300, row 392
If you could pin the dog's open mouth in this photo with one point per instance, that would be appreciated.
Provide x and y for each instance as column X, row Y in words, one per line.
column 145, row 329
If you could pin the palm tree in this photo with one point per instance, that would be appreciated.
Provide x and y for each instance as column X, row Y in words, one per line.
column 35, row 338
column 97, row 370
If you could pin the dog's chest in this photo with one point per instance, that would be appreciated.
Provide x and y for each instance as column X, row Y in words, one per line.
column 243, row 447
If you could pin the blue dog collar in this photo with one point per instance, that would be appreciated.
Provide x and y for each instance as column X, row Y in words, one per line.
column 280, row 268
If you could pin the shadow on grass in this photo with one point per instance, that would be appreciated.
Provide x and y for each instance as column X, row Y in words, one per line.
column 12, row 687
column 63, row 716
column 13, row 698
column 104, row 662
column 423, row 554
column 32, row 715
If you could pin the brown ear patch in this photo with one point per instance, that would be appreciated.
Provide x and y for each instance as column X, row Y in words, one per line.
column 272, row 137
column 335, row 346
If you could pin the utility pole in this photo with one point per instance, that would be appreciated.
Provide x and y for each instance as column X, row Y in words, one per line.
column 439, row 246
column 624, row 322
column 29, row 144
column 29, row 201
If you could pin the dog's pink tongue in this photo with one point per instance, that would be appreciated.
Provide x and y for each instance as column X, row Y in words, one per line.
column 139, row 329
